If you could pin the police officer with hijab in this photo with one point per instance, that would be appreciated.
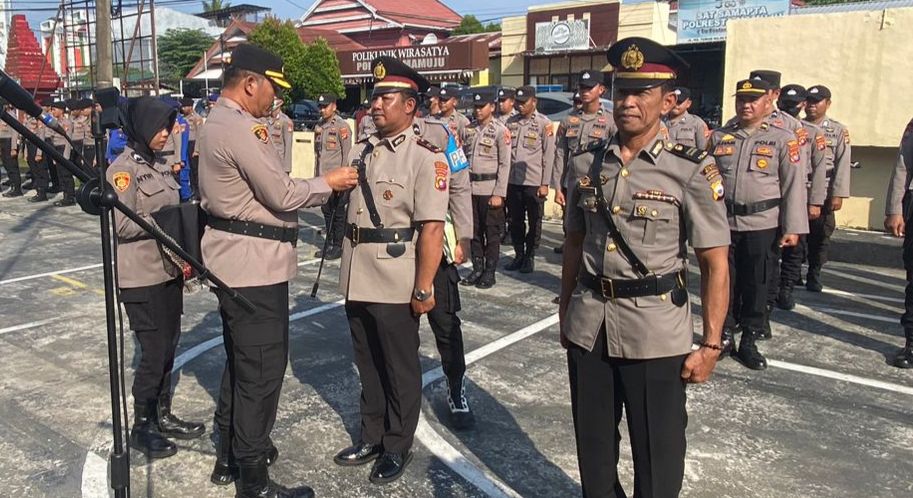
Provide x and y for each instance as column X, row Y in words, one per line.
column 151, row 283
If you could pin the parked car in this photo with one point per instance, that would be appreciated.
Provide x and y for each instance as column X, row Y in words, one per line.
column 557, row 105
column 304, row 114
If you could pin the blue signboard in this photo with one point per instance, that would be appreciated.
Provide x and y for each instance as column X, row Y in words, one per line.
column 705, row 20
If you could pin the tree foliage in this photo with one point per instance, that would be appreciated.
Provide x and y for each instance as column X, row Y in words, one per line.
column 215, row 5
column 470, row 24
column 311, row 68
column 179, row 50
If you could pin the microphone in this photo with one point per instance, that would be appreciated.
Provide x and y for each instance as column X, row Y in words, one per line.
column 21, row 99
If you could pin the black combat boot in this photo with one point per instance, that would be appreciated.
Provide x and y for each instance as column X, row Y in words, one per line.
column 766, row 333
column 748, row 352
column 727, row 344
column 518, row 259
column 785, row 300
column 461, row 417
column 904, row 358
column 65, row 202
column 473, row 278
column 813, row 280
column 255, row 483
column 145, row 436
column 487, row 280
column 13, row 192
column 529, row 262
column 40, row 196
column 171, row 426
column 226, row 469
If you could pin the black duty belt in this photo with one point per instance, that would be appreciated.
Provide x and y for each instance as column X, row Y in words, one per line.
column 652, row 285
column 481, row 177
column 361, row 235
column 739, row 209
column 829, row 173
column 282, row 234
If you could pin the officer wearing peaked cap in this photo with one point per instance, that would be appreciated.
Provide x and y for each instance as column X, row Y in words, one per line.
column 456, row 122
column 332, row 143
column 250, row 240
column 281, row 130
column 365, row 125
column 624, row 309
column 64, row 180
column 395, row 236
column 766, row 205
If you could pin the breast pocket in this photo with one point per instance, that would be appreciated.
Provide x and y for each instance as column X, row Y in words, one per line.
column 531, row 141
column 764, row 166
column 650, row 217
column 389, row 193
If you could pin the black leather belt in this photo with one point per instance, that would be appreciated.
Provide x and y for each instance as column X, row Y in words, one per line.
column 282, row 234
column 167, row 153
column 739, row 209
column 361, row 235
column 653, row 285
column 481, row 177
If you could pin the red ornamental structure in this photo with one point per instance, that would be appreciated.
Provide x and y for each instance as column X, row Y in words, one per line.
column 25, row 60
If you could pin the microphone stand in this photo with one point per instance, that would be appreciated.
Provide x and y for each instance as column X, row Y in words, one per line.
column 97, row 198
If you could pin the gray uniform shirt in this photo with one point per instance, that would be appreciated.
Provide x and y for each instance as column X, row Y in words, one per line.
column 532, row 150
column 242, row 178
column 760, row 165
column 408, row 178
column 899, row 183
column 659, row 201
column 821, row 161
column 332, row 143
column 366, row 127
column 144, row 188
column 281, row 129
column 488, row 150
column 688, row 130
column 6, row 131
column 437, row 133
column 838, row 141
column 576, row 133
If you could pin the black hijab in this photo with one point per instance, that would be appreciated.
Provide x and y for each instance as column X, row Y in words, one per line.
column 143, row 118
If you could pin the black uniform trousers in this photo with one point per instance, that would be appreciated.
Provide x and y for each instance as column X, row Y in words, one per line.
column 30, row 153
column 335, row 222
column 65, row 180
column 40, row 173
column 10, row 163
column 751, row 255
column 51, row 167
column 791, row 260
column 487, row 224
column 88, row 157
column 155, row 317
column 652, row 394
column 525, row 207
column 385, row 341
column 819, row 237
column 194, row 169
column 446, row 325
column 256, row 347
column 907, row 318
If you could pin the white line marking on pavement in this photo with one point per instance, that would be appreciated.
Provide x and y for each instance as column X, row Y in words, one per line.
column 829, row 374
column 835, row 311
column 93, row 472
column 49, row 274
column 439, row 447
column 874, row 297
column 29, row 325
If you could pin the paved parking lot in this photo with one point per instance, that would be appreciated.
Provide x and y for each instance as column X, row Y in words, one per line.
column 829, row 418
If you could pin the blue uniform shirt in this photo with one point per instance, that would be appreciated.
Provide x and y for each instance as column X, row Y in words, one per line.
column 117, row 140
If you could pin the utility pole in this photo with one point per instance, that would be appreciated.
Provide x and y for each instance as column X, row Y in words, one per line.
column 104, row 62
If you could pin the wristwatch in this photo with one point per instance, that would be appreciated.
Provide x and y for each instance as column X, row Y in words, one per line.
column 422, row 295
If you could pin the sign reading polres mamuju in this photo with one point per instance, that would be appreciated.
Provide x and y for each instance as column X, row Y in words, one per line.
column 705, row 20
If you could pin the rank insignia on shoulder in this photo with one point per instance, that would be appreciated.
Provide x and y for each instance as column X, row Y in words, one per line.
column 121, row 181
column 657, row 148
column 261, row 132
column 846, row 137
column 426, row 144
column 764, row 126
column 692, row 154
column 727, row 138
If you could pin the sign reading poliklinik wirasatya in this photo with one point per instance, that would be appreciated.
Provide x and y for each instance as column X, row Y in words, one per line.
column 464, row 55
column 705, row 20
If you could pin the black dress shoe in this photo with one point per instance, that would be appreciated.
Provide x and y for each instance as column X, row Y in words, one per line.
column 65, row 202
column 39, row 197
column 390, row 467
column 255, row 483
column 13, row 192
column 904, row 357
column 359, row 454
column 171, row 426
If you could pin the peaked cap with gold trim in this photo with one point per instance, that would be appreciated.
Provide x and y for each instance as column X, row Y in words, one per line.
column 260, row 60
column 392, row 75
column 643, row 63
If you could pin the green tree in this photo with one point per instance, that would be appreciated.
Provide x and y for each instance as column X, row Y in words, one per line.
column 215, row 5
column 310, row 68
column 179, row 50
column 470, row 24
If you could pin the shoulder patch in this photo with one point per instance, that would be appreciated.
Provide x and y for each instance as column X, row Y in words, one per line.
column 793, row 146
column 261, row 132
column 440, row 175
column 121, row 181
column 428, row 145
column 692, row 154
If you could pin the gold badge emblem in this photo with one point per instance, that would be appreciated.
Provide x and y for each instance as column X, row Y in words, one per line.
column 388, row 194
column 380, row 72
column 762, row 163
column 632, row 58
column 121, row 181
column 641, row 210
column 746, row 85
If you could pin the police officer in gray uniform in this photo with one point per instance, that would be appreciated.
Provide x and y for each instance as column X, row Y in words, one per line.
column 65, row 181
column 686, row 128
column 532, row 157
column 332, row 143
column 250, row 242
column 837, row 139
column 764, row 181
column 625, row 313
column 151, row 285
column 9, row 155
column 898, row 212
column 395, row 243
column 506, row 110
column 448, row 98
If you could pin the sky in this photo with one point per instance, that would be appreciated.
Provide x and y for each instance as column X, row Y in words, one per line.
column 38, row 10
